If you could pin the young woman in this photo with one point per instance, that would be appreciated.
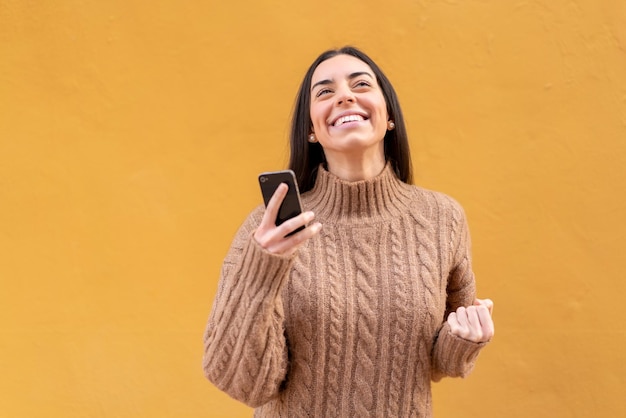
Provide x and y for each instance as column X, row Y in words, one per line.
column 354, row 315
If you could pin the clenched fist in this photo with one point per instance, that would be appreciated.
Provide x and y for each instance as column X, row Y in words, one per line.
column 473, row 323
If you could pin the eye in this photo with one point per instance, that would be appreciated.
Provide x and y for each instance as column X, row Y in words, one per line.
column 322, row 92
column 362, row 83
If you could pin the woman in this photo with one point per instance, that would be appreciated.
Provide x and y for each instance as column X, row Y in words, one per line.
column 356, row 318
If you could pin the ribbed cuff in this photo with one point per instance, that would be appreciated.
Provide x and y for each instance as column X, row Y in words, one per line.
column 455, row 356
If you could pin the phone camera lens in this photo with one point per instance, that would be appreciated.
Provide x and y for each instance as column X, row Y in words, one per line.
column 263, row 179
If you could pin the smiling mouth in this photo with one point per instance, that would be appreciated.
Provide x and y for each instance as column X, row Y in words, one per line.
column 348, row 118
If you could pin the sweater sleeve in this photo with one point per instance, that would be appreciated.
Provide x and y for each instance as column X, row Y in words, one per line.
column 245, row 351
column 454, row 356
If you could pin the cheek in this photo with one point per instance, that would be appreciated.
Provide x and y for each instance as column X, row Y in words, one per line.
column 383, row 108
column 383, row 117
column 318, row 118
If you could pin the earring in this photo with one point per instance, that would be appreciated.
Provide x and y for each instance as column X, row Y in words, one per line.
column 390, row 125
column 312, row 138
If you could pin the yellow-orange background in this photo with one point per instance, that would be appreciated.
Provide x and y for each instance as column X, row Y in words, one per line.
column 131, row 134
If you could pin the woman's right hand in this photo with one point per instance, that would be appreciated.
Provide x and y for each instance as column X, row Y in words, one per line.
column 273, row 238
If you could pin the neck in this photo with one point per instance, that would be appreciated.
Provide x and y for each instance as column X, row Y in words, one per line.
column 356, row 166
column 335, row 200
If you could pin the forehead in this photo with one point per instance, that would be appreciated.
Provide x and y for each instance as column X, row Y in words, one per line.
column 339, row 66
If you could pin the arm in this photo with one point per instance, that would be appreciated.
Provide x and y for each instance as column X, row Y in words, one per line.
column 469, row 326
column 245, row 352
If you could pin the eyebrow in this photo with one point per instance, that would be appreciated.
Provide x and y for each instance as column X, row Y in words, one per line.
column 350, row 77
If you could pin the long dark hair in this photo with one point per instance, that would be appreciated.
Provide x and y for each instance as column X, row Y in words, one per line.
column 305, row 157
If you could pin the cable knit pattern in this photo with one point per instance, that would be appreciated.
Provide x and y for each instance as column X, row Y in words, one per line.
column 354, row 323
column 334, row 330
column 301, row 310
column 399, row 331
column 428, row 294
column 367, row 311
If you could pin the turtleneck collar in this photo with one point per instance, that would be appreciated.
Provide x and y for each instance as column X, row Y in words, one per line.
column 337, row 201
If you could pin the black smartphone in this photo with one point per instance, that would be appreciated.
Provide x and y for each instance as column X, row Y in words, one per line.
column 291, row 205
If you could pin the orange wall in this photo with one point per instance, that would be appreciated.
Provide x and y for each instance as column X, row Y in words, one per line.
column 131, row 134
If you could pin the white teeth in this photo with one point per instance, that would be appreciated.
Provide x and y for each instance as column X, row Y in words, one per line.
column 349, row 118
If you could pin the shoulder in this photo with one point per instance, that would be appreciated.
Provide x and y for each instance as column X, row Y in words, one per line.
column 253, row 219
column 436, row 202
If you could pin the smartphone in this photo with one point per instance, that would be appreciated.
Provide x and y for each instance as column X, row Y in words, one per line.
column 291, row 206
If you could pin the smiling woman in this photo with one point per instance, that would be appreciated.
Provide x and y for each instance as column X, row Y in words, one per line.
column 365, row 75
column 349, row 117
column 357, row 318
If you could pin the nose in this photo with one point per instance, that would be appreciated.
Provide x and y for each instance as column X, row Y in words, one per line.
column 344, row 96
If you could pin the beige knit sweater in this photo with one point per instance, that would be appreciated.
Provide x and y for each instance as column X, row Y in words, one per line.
column 353, row 325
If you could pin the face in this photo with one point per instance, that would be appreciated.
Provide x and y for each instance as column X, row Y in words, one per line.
column 348, row 109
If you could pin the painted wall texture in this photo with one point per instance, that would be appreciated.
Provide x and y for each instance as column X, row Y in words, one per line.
column 131, row 134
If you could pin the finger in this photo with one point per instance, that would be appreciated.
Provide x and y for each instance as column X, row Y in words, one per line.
column 472, row 317
column 486, row 323
column 290, row 245
column 458, row 324
column 273, row 206
column 461, row 315
column 484, row 302
column 301, row 236
column 453, row 319
column 294, row 223
column 489, row 304
column 475, row 326
column 453, row 322
column 275, row 239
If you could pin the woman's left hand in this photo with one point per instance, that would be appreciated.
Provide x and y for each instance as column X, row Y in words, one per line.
column 473, row 323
